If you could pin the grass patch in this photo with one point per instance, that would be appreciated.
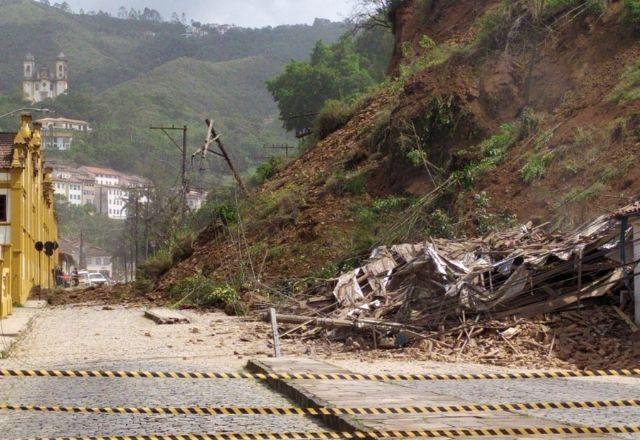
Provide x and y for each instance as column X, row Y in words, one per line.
column 616, row 171
column 628, row 89
column 346, row 183
column 582, row 137
column 579, row 195
column 535, row 166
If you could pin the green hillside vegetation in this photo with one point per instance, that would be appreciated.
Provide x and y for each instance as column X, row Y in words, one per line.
column 126, row 74
column 186, row 91
column 104, row 51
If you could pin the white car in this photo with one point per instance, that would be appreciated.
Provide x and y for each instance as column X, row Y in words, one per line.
column 96, row 279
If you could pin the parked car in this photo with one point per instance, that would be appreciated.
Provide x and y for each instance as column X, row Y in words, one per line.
column 97, row 279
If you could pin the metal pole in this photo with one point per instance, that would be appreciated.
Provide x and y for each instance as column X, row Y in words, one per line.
column 636, row 270
column 276, row 337
column 184, row 170
column 136, row 228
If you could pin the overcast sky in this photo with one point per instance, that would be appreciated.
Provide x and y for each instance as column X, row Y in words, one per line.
column 247, row 13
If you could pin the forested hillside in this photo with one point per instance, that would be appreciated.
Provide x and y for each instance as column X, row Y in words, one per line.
column 128, row 73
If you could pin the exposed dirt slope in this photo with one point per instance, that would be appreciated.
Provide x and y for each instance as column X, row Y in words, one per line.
column 561, row 80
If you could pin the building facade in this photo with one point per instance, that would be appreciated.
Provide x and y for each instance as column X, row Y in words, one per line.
column 40, row 83
column 90, row 258
column 106, row 189
column 28, row 228
column 195, row 199
column 58, row 133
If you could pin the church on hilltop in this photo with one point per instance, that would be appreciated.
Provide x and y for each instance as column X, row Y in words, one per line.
column 39, row 83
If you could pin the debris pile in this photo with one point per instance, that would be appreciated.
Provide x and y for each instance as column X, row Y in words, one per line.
column 525, row 293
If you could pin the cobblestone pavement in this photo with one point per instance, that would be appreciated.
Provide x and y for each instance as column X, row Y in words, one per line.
column 542, row 390
column 534, row 390
column 94, row 338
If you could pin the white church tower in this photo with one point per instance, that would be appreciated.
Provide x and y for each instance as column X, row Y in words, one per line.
column 39, row 84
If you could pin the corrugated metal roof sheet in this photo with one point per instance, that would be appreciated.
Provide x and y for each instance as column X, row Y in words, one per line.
column 627, row 211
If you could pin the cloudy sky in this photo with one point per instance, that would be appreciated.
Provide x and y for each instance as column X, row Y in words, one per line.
column 251, row 13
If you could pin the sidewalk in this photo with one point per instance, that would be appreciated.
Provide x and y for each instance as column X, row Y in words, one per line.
column 13, row 327
column 363, row 394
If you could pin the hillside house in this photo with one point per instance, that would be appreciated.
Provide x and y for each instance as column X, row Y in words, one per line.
column 58, row 133
column 106, row 189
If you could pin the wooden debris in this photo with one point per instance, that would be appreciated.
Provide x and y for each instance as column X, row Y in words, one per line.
column 162, row 316
column 518, row 297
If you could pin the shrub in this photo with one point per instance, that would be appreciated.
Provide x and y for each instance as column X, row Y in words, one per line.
column 631, row 14
column 266, row 171
column 182, row 245
column 416, row 157
column 355, row 185
column 536, row 166
column 199, row 290
column 156, row 266
column 493, row 151
column 390, row 204
column 333, row 116
column 440, row 224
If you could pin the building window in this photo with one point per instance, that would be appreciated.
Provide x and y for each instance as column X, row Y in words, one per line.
column 3, row 208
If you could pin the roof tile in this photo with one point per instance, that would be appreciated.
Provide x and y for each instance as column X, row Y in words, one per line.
column 6, row 149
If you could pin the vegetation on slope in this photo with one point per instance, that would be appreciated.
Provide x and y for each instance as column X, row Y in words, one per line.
column 482, row 126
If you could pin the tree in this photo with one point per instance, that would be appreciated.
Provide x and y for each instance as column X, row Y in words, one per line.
column 149, row 14
column 373, row 13
column 123, row 13
column 334, row 72
column 64, row 6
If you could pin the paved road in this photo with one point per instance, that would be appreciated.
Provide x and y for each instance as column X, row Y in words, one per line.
column 90, row 338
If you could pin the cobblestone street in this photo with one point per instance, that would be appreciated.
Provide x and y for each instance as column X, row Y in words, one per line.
column 97, row 337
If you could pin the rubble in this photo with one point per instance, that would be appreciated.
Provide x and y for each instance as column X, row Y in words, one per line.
column 523, row 295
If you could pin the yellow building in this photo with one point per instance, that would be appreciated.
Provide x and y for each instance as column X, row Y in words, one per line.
column 27, row 218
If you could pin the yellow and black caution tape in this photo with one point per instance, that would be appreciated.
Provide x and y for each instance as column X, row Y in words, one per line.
column 316, row 376
column 261, row 411
column 456, row 432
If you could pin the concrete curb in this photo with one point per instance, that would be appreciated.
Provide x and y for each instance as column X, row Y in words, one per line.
column 303, row 399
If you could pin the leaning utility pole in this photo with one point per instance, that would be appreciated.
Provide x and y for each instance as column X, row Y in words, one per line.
column 184, row 186
column 212, row 137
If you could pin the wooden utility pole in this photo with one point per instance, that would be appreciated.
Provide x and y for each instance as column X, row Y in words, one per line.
column 212, row 137
column 184, row 186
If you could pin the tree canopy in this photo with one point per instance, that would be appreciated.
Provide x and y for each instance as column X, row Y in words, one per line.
column 335, row 71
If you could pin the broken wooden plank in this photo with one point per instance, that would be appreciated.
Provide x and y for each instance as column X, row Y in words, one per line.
column 632, row 325
column 162, row 316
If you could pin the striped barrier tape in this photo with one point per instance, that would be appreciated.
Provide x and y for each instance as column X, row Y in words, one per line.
column 261, row 411
column 457, row 432
column 316, row 376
